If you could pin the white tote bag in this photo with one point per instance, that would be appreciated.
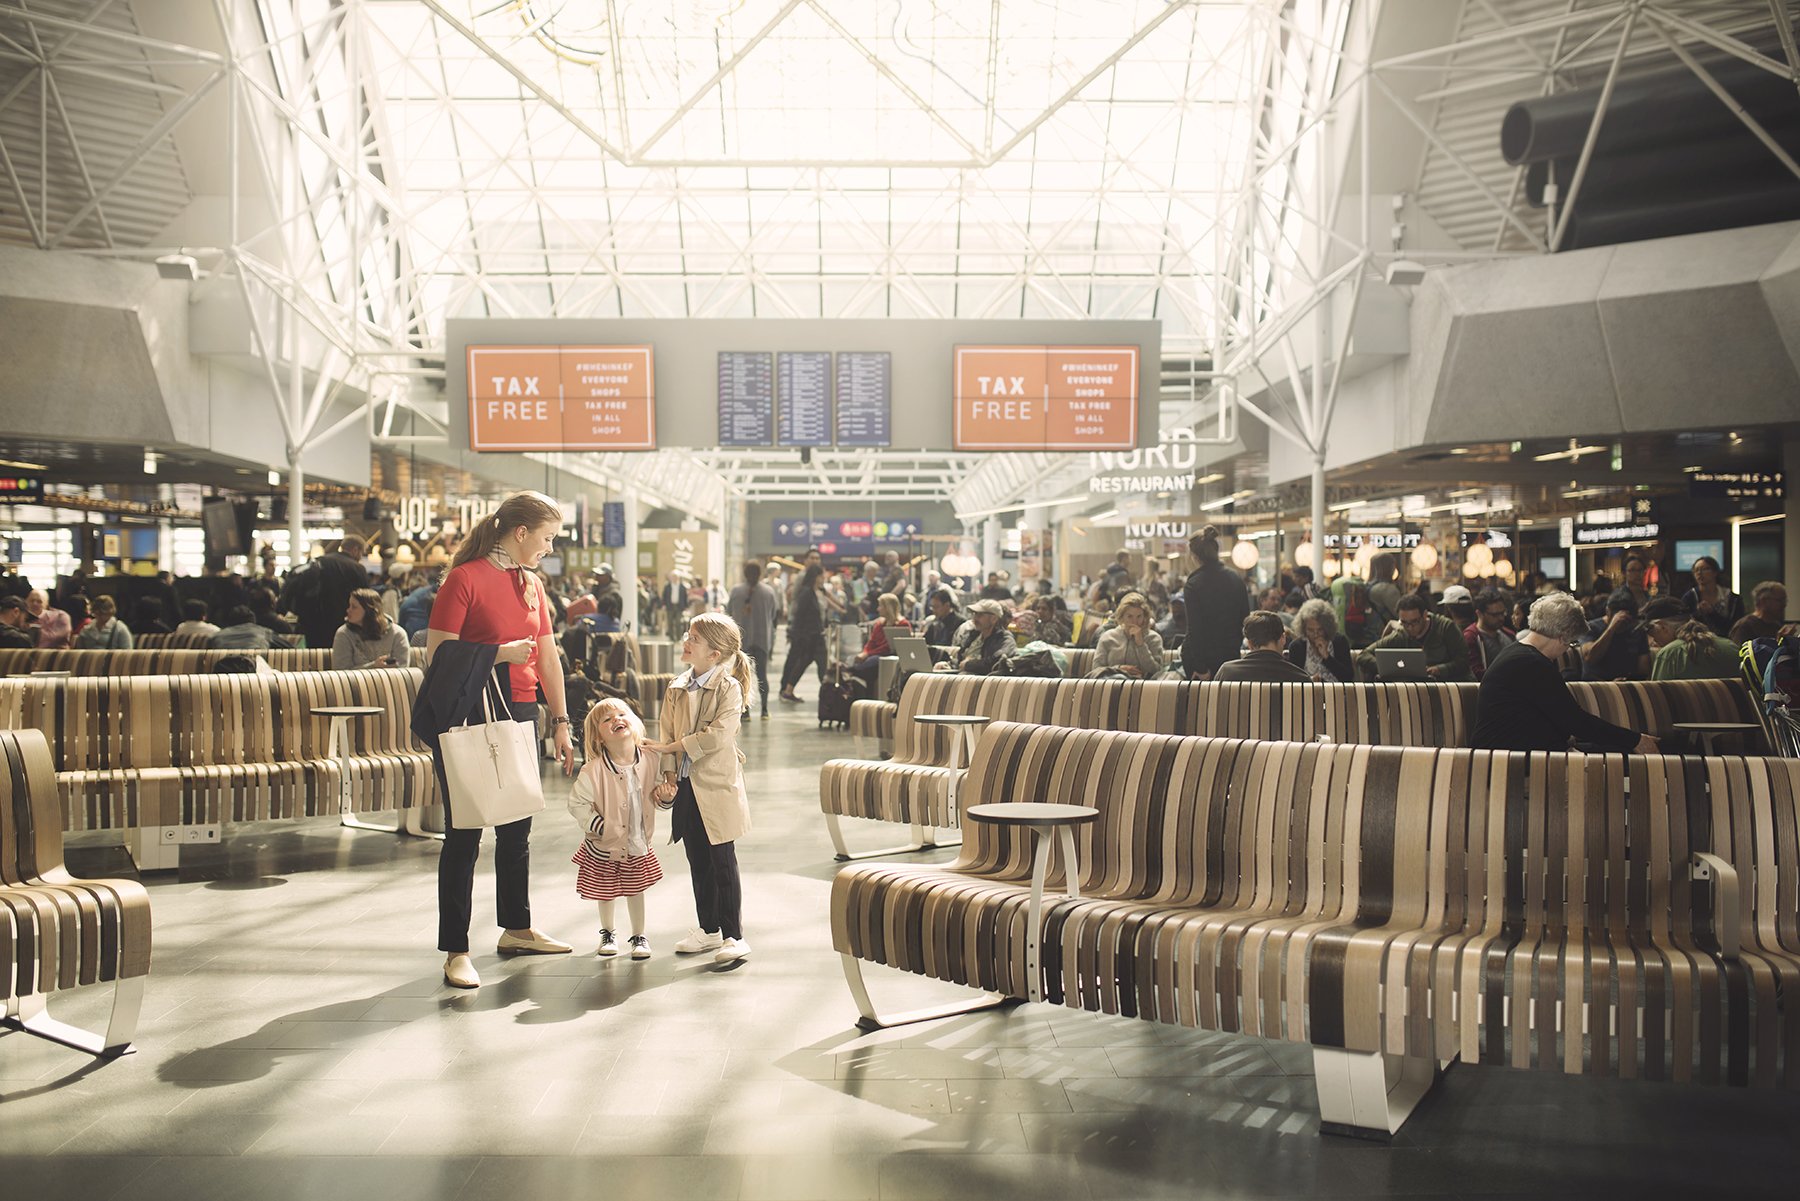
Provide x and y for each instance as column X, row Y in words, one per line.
column 491, row 767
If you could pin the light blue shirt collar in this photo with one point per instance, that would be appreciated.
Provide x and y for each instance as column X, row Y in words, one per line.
column 700, row 680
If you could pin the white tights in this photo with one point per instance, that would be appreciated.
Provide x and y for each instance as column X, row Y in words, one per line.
column 634, row 906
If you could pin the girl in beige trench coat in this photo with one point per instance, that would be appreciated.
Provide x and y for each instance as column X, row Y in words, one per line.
column 701, row 758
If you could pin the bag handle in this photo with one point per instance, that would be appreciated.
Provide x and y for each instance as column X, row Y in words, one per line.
column 491, row 690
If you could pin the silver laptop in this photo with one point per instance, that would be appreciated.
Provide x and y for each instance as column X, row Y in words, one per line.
column 913, row 653
column 1399, row 663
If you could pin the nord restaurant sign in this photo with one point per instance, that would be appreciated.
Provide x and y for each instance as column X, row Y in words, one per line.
column 1169, row 466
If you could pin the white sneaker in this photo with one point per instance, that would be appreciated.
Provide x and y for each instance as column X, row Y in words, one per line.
column 699, row 940
column 640, row 947
column 459, row 972
column 609, row 944
column 732, row 950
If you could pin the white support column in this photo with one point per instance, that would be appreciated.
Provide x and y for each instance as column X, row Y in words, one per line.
column 1318, row 517
column 625, row 565
column 296, row 482
column 1790, row 528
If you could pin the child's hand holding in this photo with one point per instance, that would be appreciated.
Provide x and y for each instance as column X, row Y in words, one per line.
column 663, row 795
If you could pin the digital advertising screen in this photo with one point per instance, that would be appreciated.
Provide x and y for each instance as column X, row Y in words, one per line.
column 1049, row 398
column 562, row 398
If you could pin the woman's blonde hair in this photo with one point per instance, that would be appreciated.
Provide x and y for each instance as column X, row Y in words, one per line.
column 722, row 634
column 593, row 733
column 889, row 604
column 1132, row 600
column 528, row 509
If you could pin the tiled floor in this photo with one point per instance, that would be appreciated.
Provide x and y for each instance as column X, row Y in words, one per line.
column 298, row 1043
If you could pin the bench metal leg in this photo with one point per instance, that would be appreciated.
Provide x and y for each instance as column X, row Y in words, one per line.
column 834, row 827
column 414, row 823
column 32, row 1015
column 871, row 1020
column 1366, row 1094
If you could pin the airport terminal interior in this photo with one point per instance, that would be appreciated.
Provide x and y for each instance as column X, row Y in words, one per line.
column 893, row 600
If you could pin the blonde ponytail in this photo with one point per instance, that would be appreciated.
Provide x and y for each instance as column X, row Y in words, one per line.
column 740, row 671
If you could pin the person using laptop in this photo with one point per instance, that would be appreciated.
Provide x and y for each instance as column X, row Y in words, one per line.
column 868, row 662
column 1265, row 662
column 1525, row 704
column 1446, row 654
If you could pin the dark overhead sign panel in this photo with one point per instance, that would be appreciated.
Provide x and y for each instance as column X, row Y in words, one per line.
column 21, row 489
column 803, row 397
column 865, row 397
column 1736, row 485
column 746, row 398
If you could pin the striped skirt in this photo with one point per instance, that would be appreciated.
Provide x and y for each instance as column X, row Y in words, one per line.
column 600, row 879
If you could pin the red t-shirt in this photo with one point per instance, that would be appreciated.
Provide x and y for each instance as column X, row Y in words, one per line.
column 478, row 602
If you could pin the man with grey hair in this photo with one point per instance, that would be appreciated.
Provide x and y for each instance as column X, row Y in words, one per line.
column 1524, row 704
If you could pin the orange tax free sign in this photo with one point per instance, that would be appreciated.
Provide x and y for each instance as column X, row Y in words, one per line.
column 562, row 398
column 1064, row 398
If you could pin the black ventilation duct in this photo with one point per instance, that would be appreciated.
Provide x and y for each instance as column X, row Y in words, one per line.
column 1671, row 157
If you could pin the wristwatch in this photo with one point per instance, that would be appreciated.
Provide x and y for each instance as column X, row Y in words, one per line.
column 561, row 720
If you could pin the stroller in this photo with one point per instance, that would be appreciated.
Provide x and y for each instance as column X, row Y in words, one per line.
column 1772, row 671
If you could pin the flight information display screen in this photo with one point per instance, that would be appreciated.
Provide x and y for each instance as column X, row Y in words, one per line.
column 561, row 398
column 1051, row 398
column 746, row 398
column 803, row 397
column 865, row 400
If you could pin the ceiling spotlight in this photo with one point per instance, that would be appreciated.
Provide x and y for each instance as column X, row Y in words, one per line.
column 1404, row 273
column 178, row 266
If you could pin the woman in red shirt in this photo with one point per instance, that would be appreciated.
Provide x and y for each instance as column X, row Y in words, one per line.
column 868, row 664
column 492, row 596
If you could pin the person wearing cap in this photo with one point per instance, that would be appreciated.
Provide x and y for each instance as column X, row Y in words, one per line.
column 1446, row 654
column 983, row 640
column 1458, row 606
column 600, row 582
column 15, row 631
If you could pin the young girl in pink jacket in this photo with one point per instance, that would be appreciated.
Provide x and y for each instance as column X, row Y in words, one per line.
column 615, row 798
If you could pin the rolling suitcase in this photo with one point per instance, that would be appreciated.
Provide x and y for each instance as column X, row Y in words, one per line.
column 836, row 695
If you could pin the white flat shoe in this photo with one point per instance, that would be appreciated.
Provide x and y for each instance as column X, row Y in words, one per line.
column 532, row 944
column 459, row 972
column 699, row 940
column 732, row 950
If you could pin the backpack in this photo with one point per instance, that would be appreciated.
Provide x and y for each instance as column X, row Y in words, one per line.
column 1772, row 666
column 1028, row 663
column 1356, row 611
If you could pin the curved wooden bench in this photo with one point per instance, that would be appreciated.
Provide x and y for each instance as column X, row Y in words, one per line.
column 151, row 662
column 58, row 932
column 913, row 787
column 1395, row 907
column 872, row 722
column 156, row 753
column 170, row 642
